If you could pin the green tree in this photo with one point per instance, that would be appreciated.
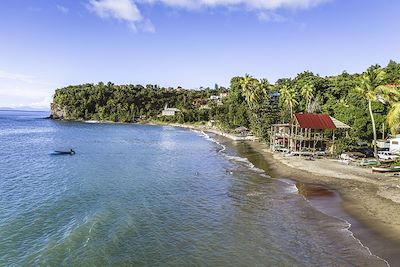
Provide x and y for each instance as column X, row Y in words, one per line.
column 371, row 85
column 250, row 89
column 308, row 93
column 288, row 97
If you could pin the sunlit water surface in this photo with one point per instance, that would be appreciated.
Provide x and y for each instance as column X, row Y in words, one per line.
column 151, row 196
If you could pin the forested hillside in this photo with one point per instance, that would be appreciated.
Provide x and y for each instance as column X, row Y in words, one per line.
column 251, row 103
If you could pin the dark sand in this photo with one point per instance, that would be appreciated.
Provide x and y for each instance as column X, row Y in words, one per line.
column 374, row 220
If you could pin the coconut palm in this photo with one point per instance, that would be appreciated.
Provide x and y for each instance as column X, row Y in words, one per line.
column 288, row 97
column 308, row 93
column 390, row 95
column 264, row 86
column 393, row 118
column 372, row 88
column 250, row 89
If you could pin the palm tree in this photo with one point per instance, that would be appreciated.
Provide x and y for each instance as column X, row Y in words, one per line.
column 372, row 87
column 250, row 90
column 307, row 92
column 391, row 95
column 393, row 118
column 264, row 86
column 288, row 97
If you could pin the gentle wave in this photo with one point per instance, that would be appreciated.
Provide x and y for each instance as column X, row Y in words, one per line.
column 25, row 131
column 291, row 188
column 233, row 158
column 206, row 136
column 347, row 230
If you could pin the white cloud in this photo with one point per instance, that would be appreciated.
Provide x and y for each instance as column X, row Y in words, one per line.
column 124, row 10
column 26, row 90
column 63, row 9
column 128, row 11
column 270, row 16
column 4, row 75
column 147, row 26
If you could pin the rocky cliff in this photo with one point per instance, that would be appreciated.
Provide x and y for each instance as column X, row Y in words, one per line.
column 58, row 113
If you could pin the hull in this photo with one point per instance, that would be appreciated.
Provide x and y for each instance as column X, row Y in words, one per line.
column 63, row 153
column 386, row 169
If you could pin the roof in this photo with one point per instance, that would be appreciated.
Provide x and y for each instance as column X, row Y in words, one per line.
column 339, row 124
column 314, row 121
column 241, row 129
column 171, row 109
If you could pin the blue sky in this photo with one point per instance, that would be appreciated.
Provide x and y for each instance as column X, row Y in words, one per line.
column 47, row 44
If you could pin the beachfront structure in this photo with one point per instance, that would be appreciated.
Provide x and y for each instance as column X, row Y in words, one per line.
column 169, row 111
column 394, row 146
column 306, row 132
column 383, row 144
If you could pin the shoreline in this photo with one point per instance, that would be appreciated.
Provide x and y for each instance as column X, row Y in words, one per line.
column 370, row 200
column 375, row 220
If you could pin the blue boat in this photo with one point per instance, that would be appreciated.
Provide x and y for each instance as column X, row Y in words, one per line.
column 62, row 152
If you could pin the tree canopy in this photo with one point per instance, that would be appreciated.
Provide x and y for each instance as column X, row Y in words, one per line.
column 251, row 102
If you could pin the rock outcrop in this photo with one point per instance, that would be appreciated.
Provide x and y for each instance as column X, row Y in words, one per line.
column 57, row 113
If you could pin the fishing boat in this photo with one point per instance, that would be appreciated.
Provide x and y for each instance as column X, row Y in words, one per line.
column 63, row 152
column 369, row 162
column 386, row 168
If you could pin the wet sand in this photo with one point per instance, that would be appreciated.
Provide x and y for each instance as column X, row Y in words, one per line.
column 351, row 193
column 370, row 202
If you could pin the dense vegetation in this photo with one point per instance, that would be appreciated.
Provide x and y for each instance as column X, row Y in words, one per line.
column 251, row 103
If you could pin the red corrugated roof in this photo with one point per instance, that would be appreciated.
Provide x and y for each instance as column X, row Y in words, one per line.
column 315, row 121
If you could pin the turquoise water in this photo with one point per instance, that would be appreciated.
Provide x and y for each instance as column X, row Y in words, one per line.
column 136, row 195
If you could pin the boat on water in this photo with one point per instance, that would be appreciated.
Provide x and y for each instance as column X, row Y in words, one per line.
column 386, row 168
column 64, row 152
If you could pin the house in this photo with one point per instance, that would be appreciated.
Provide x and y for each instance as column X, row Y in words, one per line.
column 274, row 96
column 169, row 111
column 242, row 131
column 198, row 102
column 223, row 95
column 310, row 132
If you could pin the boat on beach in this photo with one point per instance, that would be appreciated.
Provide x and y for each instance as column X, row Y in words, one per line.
column 369, row 162
column 386, row 168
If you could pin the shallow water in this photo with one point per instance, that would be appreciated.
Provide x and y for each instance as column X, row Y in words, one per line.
column 152, row 196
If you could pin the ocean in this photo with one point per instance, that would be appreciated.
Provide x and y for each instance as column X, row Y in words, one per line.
column 141, row 195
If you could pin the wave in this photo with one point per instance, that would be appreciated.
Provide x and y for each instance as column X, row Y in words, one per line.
column 347, row 230
column 6, row 132
column 206, row 136
column 237, row 159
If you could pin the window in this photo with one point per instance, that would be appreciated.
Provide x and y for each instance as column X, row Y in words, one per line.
column 395, row 142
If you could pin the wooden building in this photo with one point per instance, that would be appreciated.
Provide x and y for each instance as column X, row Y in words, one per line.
column 306, row 132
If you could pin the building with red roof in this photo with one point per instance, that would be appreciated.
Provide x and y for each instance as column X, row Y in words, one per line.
column 307, row 132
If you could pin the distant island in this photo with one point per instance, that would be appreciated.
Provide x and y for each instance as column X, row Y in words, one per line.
column 248, row 102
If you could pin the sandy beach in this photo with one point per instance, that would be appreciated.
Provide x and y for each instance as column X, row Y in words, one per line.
column 372, row 198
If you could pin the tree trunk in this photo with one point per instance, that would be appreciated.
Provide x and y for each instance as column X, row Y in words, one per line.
column 291, row 111
column 373, row 128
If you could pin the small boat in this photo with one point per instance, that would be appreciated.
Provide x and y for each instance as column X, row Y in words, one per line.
column 369, row 162
column 62, row 152
column 386, row 168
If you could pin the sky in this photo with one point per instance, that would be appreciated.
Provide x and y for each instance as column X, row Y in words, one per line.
column 49, row 44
